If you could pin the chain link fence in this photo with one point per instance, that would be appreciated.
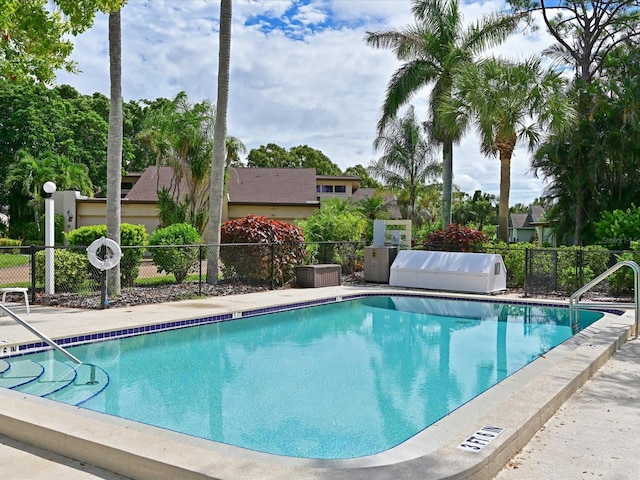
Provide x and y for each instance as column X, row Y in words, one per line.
column 181, row 268
column 538, row 273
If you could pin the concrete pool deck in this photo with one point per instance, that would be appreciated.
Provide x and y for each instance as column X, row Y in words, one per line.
column 31, row 428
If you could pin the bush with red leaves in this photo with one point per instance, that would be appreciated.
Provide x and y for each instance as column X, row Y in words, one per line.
column 456, row 238
column 269, row 249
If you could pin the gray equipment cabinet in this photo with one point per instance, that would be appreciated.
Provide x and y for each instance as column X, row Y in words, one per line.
column 377, row 263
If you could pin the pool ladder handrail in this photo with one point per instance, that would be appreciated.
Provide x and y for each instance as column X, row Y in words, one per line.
column 574, row 300
column 40, row 335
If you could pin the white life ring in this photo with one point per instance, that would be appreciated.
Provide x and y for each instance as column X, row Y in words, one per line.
column 112, row 255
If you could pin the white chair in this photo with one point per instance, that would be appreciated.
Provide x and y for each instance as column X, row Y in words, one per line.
column 21, row 290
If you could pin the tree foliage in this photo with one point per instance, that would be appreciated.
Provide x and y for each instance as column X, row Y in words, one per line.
column 480, row 209
column 507, row 103
column 302, row 156
column 407, row 160
column 593, row 168
column 35, row 41
column 181, row 136
column 587, row 33
column 366, row 180
column 431, row 49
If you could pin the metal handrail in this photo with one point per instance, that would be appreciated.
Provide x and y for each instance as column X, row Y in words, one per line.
column 575, row 297
column 40, row 335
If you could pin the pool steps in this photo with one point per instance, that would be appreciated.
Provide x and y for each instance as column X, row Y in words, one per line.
column 53, row 379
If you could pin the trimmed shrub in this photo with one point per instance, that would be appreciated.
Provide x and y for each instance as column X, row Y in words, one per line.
column 130, row 236
column 336, row 221
column 579, row 265
column 514, row 257
column 616, row 230
column 70, row 269
column 10, row 242
column 621, row 281
column 456, row 238
column 176, row 257
column 283, row 249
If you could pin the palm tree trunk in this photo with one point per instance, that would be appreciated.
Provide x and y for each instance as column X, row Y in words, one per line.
column 114, row 145
column 447, row 181
column 505, row 187
column 219, row 144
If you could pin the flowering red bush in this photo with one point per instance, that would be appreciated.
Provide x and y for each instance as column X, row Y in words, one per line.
column 456, row 238
column 282, row 250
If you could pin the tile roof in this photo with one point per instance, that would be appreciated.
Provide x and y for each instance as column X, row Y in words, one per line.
column 284, row 186
column 146, row 188
column 529, row 219
column 519, row 220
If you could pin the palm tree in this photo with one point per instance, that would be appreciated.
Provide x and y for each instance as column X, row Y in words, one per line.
column 507, row 103
column 219, row 142
column 181, row 135
column 432, row 49
column 27, row 174
column 406, row 162
column 235, row 148
column 374, row 207
column 114, row 143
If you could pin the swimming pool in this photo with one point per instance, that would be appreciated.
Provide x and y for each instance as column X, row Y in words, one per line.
column 330, row 381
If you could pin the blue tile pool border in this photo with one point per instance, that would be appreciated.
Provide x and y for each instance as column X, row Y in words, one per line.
column 24, row 349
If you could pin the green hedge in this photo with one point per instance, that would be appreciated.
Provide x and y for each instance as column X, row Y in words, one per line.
column 130, row 236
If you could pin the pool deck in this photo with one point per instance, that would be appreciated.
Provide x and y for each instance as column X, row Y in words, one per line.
column 582, row 436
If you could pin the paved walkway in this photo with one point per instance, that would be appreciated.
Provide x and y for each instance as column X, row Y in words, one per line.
column 594, row 435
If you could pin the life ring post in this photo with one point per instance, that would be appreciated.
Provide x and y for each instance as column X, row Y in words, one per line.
column 107, row 258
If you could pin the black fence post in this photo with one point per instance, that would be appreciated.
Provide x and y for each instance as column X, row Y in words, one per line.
column 200, row 270
column 32, row 252
column 273, row 265
column 580, row 268
column 527, row 258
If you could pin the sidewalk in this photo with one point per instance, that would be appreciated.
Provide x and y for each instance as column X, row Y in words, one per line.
column 594, row 435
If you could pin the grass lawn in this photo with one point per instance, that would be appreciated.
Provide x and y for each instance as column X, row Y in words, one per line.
column 13, row 260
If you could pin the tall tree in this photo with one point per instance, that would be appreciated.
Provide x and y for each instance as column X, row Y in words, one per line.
column 507, row 103
column 613, row 141
column 407, row 159
column 366, row 181
column 114, row 144
column 272, row 156
column 431, row 49
column 586, row 32
column 235, row 148
column 25, row 178
column 181, row 135
column 219, row 143
column 312, row 158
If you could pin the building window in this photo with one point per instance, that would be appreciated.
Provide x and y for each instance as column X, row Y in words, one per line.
column 341, row 189
column 327, row 188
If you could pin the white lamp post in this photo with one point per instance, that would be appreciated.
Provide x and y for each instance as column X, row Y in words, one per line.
column 48, row 188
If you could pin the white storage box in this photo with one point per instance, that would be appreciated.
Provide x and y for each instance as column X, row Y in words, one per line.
column 449, row 271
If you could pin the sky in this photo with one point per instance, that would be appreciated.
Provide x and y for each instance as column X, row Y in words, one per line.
column 301, row 74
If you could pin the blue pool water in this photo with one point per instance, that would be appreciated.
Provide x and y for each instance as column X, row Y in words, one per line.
column 340, row 380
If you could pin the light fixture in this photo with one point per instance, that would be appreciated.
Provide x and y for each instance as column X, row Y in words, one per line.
column 48, row 188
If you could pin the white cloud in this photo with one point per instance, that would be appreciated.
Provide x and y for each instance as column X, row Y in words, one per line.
column 305, row 79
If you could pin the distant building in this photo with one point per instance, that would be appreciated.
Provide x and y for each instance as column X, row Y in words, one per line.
column 531, row 227
column 287, row 194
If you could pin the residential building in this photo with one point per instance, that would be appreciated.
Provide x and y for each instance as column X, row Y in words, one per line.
column 287, row 194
